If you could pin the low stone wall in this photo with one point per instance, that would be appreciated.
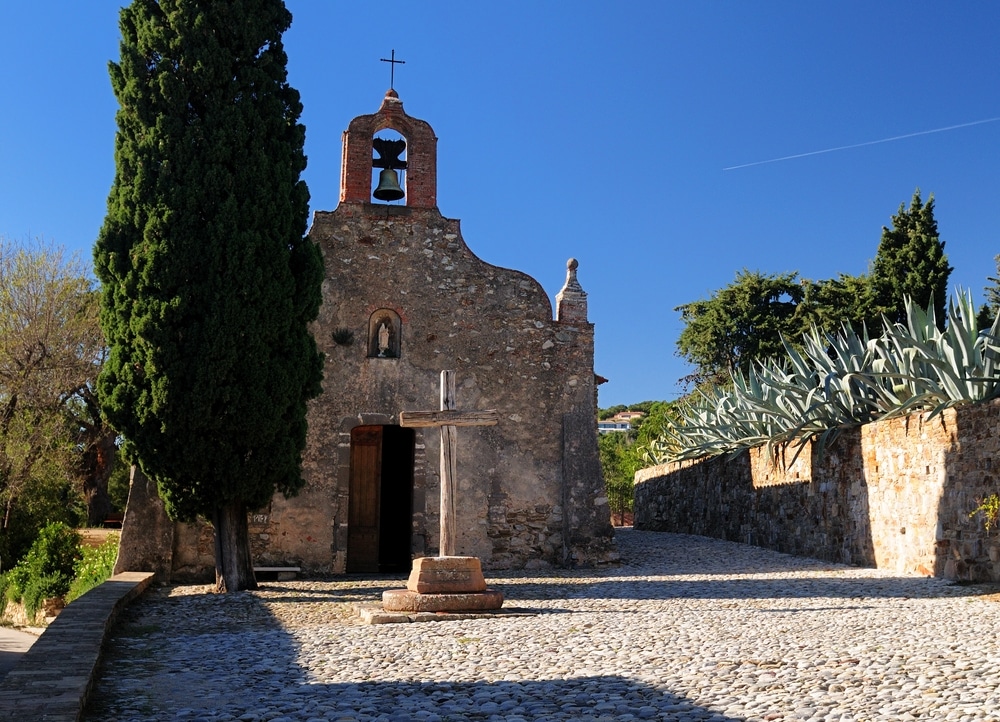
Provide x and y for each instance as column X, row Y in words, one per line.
column 894, row 494
column 15, row 615
column 52, row 680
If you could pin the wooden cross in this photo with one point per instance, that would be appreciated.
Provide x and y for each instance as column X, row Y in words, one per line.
column 392, row 67
column 448, row 419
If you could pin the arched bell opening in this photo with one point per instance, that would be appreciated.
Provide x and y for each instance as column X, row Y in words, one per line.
column 388, row 167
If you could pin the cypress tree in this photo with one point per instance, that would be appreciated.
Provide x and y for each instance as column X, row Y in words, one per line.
column 208, row 284
column 989, row 310
column 911, row 262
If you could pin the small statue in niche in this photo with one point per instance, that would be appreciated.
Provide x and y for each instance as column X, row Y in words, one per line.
column 383, row 339
column 384, row 334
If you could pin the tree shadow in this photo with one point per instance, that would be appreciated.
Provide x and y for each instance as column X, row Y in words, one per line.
column 169, row 659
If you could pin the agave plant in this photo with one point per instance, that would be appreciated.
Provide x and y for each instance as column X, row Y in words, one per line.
column 839, row 381
column 933, row 369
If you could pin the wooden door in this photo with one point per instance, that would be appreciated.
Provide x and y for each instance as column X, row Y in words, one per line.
column 363, row 502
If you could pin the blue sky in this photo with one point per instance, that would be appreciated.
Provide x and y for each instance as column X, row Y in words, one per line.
column 595, row 130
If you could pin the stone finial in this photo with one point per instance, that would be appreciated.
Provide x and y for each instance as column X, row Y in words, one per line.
column 571, row 301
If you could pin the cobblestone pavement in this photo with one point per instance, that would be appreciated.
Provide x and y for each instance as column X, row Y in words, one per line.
column 687, row 629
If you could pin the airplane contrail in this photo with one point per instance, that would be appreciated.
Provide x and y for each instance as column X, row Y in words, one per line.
column 859, row 145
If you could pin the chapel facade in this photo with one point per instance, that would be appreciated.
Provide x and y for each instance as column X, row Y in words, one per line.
column 404, row 298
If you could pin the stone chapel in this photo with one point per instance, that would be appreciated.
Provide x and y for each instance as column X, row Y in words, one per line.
column 404, row 298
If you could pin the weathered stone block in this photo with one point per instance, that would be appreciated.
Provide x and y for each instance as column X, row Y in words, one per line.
column 438, row 575
column 403, row 600
column 147, row 539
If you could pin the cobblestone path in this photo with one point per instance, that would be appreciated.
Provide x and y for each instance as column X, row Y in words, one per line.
column 686, row 629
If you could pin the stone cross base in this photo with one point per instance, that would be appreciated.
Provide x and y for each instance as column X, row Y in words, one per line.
column 439, row 575
column 443, row 584
column 403, row 600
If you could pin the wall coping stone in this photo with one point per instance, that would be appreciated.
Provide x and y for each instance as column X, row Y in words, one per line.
column 53, row 679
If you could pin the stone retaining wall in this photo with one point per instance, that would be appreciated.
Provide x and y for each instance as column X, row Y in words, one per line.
column 894, row 494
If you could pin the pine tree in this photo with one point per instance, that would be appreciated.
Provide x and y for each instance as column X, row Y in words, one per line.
column 208, row 281
column 830, row 303
column 911, row 262
column 739, row 324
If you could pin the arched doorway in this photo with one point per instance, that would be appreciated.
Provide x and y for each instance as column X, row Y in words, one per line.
column 380, row 503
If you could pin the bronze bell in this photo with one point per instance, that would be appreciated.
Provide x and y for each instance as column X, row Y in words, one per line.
column 388, row 186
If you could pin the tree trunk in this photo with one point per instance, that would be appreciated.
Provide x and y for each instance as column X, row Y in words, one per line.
column 233, row 565
column 96, row 461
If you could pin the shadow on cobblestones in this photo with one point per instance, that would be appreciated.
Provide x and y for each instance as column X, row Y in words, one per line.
column 209, row 658
column 688, row 629
column 680, row 566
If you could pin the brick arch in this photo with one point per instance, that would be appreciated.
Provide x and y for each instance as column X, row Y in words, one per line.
column 421, row 155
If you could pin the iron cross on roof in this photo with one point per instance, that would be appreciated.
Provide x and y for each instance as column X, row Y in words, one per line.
column 392, row 67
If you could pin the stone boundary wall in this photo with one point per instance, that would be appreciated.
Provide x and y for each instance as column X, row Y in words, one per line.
column 53, row 679
column 894, row 495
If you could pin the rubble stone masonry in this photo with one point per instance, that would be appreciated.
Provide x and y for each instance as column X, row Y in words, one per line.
column 404, row 298
column 895, row 494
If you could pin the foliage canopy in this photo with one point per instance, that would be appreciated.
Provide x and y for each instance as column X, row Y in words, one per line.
column 742, row 322
column 208, row 281
column 622, row 453
column 911, row 263
column 51, row 348
column 749, row 320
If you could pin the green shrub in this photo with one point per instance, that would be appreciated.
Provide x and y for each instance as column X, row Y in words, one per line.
column 41, row 588
column 94, row 567
column 4, row 583
column 990, row 509
column 48, row 566
column 839, row 381
column 48, row 496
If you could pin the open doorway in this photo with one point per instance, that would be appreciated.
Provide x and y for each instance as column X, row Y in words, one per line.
column 380, row 505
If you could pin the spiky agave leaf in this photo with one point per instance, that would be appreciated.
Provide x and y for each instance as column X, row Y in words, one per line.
column 843, row 380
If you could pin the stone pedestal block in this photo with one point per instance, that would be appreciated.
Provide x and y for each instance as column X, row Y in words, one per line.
column 446, row 575
column 403, row 600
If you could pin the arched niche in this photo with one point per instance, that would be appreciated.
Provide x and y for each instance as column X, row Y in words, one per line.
column 384, row 334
